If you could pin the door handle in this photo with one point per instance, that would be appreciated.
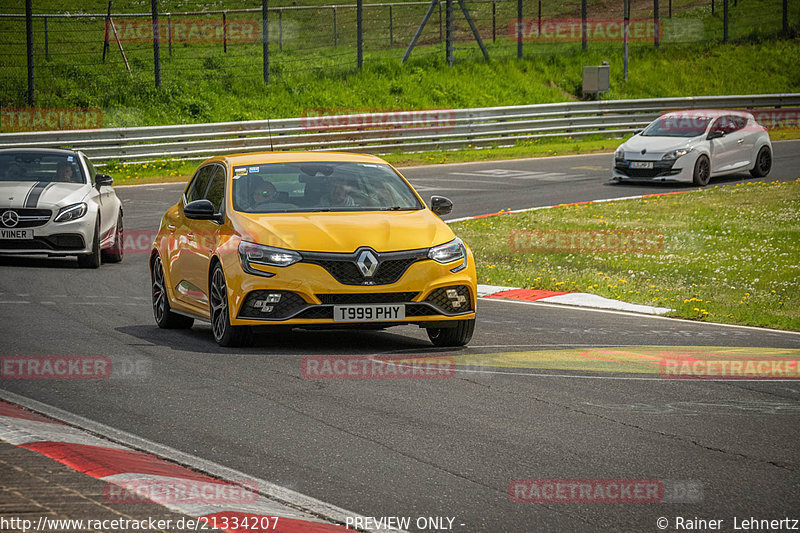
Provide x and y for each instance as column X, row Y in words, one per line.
column 171, row 227
column 740, row 141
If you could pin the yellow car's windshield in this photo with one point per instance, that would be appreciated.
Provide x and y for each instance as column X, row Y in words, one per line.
column 320, row 186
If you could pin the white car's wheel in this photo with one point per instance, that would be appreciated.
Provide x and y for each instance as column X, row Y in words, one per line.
column 702, row 171
column 92, row 259
column 114, row 253
column 763, row 163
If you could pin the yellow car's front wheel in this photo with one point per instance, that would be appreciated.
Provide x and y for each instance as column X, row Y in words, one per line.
column 224, row 333
column 459, row 335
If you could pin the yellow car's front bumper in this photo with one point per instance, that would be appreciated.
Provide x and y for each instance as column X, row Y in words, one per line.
column 310, row 291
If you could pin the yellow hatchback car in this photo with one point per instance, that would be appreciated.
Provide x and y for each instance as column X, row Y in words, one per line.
column 310, row 240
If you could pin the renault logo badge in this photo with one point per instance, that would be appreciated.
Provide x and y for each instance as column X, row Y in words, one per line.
column 10, row 219
column 367, row 263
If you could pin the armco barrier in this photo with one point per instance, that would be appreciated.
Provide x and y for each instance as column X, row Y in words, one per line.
column 382, row 132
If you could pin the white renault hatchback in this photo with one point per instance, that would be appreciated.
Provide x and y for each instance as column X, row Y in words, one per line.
column 695, row 146
column 54, row 202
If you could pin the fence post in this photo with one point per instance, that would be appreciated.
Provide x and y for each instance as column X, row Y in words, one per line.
column 156, row 50
column 785, row 18
column 265, row 38
column 712, row 8
column 724, row 21
column 670, row 8
column 224, row 33
column 440, row 22
column 360, row 32
column 391, row 28
column 46, row 43
column 625, row 35
column 169, row 33
column 106, row 34
column 539, row 26
column 494, row 21
column 280, row 30
column 519, row 29
column 449, row 23
column 655, row 24
column 584, row 39
column 335, row 30
column 29, row 46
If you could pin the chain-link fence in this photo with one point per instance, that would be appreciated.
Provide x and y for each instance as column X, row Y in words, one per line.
column 115, row 43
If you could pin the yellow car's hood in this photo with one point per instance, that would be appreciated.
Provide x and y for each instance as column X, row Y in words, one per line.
column 342, row 232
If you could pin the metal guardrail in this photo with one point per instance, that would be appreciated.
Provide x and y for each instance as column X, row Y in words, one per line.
column 384, row 131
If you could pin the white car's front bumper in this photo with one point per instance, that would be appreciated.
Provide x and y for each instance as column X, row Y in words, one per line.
column 676, row 170
column 53, row 238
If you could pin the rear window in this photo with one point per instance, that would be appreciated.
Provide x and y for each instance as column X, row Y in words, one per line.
column 34, row 166
column 320, row 186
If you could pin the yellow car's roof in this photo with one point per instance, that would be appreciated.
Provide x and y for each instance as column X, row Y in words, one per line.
column 289, row 157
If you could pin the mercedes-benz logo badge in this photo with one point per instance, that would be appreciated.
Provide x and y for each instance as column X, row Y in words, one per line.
column 367, row 263
column 10, row 219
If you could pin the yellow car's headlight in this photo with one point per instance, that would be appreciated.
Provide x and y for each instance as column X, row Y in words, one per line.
column 449, row 252
column 252, row 253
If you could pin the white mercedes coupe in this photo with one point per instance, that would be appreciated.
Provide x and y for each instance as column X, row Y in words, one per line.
column 53, row 202
column 695, row 146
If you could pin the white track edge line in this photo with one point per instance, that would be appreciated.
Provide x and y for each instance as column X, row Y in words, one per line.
column 640, row 315
column 271, row 490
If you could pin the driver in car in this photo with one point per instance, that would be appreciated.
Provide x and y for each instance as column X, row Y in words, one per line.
column 64, row 172
column 339, row 195
column 266, row 197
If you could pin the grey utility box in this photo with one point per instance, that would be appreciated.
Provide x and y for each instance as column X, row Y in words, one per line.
column 595, row 79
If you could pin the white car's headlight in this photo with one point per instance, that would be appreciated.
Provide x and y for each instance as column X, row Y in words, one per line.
column 266, row 255
column 619, row 155
column 71, row 212
column 447, row 253
column 675, row 154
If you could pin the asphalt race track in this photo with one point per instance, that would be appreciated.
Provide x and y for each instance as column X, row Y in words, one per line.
column 542, row 392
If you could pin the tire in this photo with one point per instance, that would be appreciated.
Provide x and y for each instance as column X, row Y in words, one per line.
column 115, row 252
column 457, row 336
column 225, row 334
column 702, row 171
column 92, row 259
column 763, row 163
column 162, row 311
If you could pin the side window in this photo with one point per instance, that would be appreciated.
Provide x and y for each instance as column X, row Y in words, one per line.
column 92, row 171
column 216, row 190
column 197, row 189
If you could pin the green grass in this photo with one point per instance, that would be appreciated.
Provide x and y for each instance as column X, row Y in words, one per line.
column 202, row 84
column 730, row 254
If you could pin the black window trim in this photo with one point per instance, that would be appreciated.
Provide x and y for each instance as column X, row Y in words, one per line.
column 208, row 186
